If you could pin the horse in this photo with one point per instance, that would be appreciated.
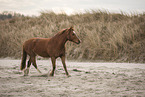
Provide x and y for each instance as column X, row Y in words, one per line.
column 53, row 48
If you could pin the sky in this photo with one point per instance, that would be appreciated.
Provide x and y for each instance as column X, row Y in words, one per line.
column 34, row 7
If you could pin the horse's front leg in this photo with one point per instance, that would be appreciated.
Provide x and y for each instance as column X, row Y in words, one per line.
column 64, row 65
column 53, row 60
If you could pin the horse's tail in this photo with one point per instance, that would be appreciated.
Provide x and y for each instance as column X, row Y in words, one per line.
column 23, row 61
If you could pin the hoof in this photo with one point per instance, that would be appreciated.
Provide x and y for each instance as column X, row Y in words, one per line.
column 51, row 75
column 68, row 75
column 39, row 71
column 26, row 72
column 44, row 75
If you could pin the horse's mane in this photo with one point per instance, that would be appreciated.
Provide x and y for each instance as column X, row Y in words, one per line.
column 64, row 30
column 61, row 32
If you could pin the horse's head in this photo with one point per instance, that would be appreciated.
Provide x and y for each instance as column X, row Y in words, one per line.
column 71, row 36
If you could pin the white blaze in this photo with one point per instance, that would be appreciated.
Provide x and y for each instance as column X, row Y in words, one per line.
column 74, row 32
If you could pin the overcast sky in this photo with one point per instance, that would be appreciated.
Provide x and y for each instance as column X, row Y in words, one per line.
column 33, row 7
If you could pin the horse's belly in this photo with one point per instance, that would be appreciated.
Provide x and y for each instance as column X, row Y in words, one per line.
column 43, row 54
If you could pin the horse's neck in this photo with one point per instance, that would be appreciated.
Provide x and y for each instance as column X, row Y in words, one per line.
column 60, row 39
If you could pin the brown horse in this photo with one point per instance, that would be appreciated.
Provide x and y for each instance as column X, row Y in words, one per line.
column 48, row 47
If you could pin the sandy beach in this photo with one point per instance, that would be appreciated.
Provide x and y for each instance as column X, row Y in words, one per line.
column 88, row 79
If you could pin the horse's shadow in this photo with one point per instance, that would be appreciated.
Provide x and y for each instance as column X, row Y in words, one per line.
column 41, row 75
column 37, row 75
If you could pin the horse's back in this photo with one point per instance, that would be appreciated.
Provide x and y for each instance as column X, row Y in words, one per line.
column 30, row 43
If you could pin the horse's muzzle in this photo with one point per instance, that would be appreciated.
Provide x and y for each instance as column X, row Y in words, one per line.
column 79, row 41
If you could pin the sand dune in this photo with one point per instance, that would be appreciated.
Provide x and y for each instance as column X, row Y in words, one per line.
column 87, row 80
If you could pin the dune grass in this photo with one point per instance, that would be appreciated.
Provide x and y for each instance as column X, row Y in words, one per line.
column 105, row 36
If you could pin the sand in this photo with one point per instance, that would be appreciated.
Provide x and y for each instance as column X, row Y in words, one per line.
column 87, row 80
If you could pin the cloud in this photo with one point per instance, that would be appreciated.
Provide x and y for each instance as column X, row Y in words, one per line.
column 32, row 7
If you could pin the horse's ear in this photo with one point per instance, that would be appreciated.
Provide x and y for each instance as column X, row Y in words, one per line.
column 71, row 28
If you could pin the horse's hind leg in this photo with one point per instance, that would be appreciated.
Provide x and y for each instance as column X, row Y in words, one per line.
column 26, row 72
column 33, row 59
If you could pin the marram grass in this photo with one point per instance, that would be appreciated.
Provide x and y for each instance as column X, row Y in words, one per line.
column 105, row 36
